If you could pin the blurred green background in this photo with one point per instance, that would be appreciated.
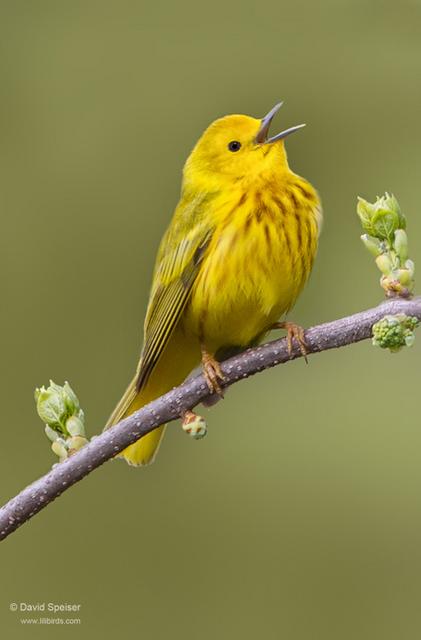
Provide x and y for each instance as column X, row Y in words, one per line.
column 299, row 516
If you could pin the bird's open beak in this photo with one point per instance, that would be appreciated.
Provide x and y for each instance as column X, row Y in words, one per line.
column 262, row 134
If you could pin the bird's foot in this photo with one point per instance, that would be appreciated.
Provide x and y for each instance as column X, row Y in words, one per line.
column 194, row 425
column 294, row 332
column 212, row 372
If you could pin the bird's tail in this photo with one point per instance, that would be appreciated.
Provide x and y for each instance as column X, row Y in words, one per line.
column 144, row 450
column 179, row 358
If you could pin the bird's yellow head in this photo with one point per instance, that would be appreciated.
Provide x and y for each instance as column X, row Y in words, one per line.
column 236, row 147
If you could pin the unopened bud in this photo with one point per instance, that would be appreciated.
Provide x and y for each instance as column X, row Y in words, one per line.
column 404, row 277
column 75, row 426
column 50, row 433
column 410, row 339
column 410, row 266
column 59, row 408
column 372, row 244
column 60, row 449
column 384, row 264
column 75, row 443
column 401, row 244
column 194, row 425
column 394, row 332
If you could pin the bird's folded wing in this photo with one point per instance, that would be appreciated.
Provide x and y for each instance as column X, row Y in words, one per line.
column 180, row 255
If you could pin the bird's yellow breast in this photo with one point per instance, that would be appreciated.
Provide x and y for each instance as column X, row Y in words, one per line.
column 258, row 260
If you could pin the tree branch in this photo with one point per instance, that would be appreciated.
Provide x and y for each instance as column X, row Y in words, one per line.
column 330, row 335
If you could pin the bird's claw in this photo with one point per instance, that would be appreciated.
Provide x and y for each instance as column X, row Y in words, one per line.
column 294, row 332
column 212, row 373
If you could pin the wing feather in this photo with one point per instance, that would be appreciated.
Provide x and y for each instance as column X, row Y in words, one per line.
column 180, row 255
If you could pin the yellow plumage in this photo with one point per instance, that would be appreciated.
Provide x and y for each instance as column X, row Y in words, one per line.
column 237, row 254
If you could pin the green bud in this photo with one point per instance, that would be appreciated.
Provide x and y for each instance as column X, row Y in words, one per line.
column 381, row 218
column 195, row 426
column 75, row 426
column 55, row 404
column 365, row 213
column 401, row 244
column 410, row 266
column 51, row 406
column 394, row 332
column 50, row 433
column 60, row 449
column 410, row 339
column 71, row 399
column 384, row 263
column 404, row 277
column 59, row 408
column 75, row 443
column 372, row 244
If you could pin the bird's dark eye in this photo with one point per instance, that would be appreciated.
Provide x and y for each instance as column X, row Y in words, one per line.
column 234, row 145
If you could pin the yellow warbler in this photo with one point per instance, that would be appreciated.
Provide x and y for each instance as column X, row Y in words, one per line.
column 235, row 257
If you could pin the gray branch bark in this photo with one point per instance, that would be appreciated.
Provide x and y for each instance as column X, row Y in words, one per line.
column 330, row 335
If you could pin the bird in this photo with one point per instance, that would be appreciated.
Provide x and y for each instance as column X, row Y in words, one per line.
column 233, row 261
